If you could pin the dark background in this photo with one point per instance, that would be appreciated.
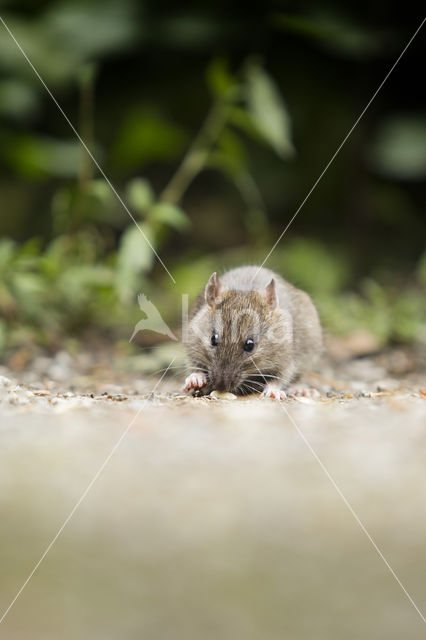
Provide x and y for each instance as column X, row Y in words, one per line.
column 138, row 80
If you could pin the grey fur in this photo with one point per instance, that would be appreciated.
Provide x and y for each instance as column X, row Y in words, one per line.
column 288, row 339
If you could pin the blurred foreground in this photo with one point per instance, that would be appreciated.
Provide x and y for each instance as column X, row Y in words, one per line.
column 213, row 518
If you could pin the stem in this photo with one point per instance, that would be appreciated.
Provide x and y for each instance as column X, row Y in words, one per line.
column 86, row 129
column 197, row 155
column 255, row 219
column 249, row 191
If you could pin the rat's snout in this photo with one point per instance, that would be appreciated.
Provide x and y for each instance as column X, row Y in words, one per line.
column 223, row 379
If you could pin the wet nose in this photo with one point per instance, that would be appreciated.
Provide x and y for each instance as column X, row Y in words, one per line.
column 220, row 383
column 223, row 380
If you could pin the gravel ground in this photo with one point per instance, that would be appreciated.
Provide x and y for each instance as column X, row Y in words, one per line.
column 242, row 519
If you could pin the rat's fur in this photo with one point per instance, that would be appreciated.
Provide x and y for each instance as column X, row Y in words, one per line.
column 249, row 302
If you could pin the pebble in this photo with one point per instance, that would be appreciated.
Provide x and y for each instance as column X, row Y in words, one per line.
column 222, row 395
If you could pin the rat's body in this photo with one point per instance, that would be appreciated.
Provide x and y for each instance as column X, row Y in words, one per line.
column 251, row 331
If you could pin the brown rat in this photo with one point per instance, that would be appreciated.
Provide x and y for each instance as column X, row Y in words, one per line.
column 251, row 331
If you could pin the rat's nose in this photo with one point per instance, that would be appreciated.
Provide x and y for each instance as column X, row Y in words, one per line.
column 223, row 380
column 220, row 383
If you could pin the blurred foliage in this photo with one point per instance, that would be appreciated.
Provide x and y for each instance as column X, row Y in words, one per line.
column 399, row 150
column 378, row 304
column 212, row 124
column 335, row 32
column 66, row 289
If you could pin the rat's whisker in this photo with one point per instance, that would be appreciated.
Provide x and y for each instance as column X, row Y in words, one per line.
column 265, row 375
column 198, row 367
column 152, row 347
column 250, row 390
column 256, row 383
column 249, row 387
column 250, row 378
column 166, row 369
column 177, row 374
column 269, row 375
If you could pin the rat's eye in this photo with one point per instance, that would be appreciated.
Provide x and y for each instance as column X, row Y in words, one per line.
column 249, row 345
column 215, row 340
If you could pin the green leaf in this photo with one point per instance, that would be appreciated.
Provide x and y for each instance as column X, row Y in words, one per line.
column 399, row 150
column 27, row 285
column 146, row 135
column 134, row 254
column 3, row 334
column 315, row 267
column 57, row 64
column 140, row 194
column 170, row 215
column 135, row 257
column 336, row 33
column 268, row 111
column 7, row 252
column 91, row 28
column 421, row 269
column 219, row 79
column 17, row 99
column 78, row 283
column 100, row 189
column 240, row 118
column 233, row 152
column 39, row 156
column 408, row 313
column 86, row 74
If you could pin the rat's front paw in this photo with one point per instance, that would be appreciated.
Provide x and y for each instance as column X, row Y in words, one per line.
column 195, row 381
column 273, row 391
column 300, row 390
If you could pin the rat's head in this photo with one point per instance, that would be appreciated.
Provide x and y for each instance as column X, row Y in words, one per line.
column 239, row 337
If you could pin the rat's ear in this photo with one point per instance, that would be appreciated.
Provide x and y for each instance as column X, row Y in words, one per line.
column 212, row 290
column 271, row 295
